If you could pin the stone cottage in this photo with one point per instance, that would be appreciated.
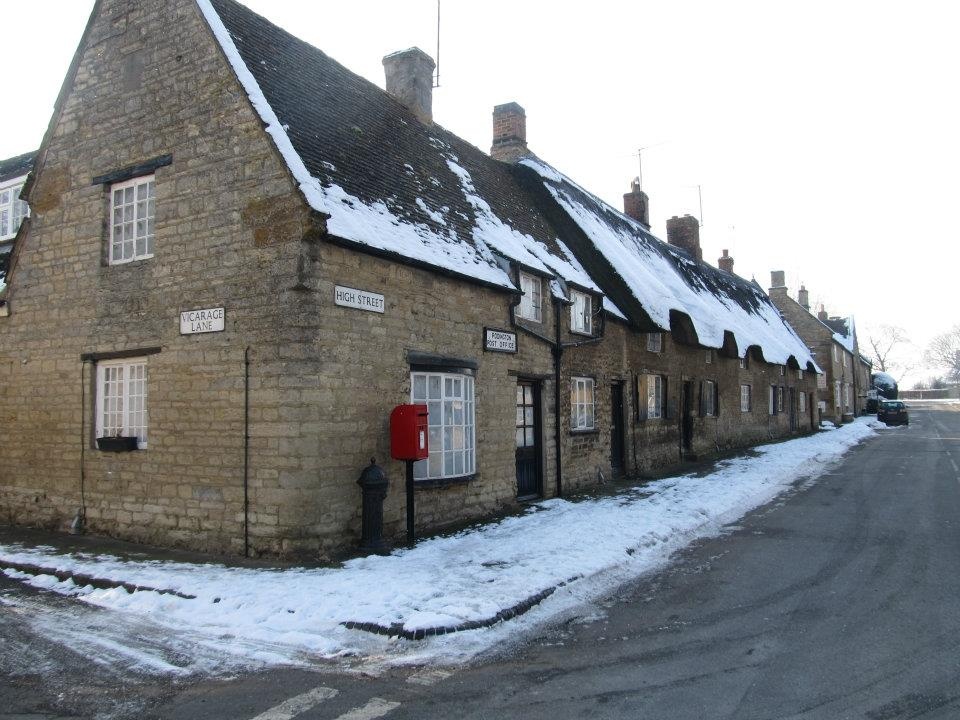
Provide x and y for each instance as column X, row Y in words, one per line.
column 845, row 381
column 242, row 256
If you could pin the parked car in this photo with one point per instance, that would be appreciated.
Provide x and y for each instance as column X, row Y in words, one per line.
column 893, row 412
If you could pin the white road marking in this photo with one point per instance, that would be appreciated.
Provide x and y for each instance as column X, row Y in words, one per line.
column 428, row 676
column 376, row 708
column 292, row 707
column 955, row 468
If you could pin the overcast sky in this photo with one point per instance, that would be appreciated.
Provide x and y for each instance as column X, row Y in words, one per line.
column 825, row 136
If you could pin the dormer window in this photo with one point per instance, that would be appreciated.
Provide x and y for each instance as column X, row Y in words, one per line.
column 532, row 301
column 581, row 313
column 12, row 209
column 131, row 224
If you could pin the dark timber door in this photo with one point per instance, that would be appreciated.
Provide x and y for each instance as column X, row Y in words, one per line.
column 793, row 409
column 686, row 416
column 616, row 428
column 528, row 439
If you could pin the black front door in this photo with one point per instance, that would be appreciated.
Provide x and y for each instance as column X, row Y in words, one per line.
column 528, row 439
column 686, row 415
column 616, row 427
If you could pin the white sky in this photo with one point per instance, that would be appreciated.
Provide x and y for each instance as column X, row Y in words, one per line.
column 825, row 135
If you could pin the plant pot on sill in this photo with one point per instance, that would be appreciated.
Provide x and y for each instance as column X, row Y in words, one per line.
column 117, row 444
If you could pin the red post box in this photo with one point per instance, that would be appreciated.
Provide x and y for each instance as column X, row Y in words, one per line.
column 409, row 432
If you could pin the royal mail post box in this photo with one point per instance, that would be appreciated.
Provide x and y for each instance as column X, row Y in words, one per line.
column 409, row 432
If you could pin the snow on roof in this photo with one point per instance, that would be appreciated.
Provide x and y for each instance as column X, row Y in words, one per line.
column 663, row 279
column 844, row 332
column 411, row 190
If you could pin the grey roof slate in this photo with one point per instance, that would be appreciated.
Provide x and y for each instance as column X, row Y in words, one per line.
column 17, row 166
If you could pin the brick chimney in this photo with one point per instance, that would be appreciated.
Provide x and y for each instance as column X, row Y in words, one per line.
column 509, row 133
column 636, row 204
column 726, row 262
column 410, row 81
column 803, row 297
column 684, row 232
column 822, row 314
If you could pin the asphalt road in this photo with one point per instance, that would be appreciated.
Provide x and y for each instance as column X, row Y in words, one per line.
column 839, row 600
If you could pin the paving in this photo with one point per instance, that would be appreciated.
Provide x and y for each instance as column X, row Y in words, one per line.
column 838, row 600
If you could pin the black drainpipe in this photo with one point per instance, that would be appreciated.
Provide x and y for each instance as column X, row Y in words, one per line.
column 246, row 452
column 557, row 355
column 79, row 522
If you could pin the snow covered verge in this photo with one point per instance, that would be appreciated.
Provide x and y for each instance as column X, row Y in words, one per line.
column 571, row 552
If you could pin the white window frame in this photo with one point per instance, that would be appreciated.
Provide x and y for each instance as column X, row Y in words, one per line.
column 709, row 398
column 709, row 358
column 582, row 404
column 836, row 394
column 803, row 402
column 745, row 398
column 531, row 304
column 121, row 399
column 822, row 381
column 450, row 400
column 836, row 358
column 743, row 363
column 846, row 397
column 654, row 396
column 136, row 213
column 772, row 404
column 581, row 313
column 780, row 398
column 799, row 374
column 655, row 342
column 783, row 370
column 13, row 210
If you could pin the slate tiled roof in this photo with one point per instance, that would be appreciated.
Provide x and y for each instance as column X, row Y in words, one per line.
column 16, row 166
column 389, row 182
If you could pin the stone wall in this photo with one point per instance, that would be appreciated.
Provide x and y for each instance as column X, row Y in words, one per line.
column 130, row 101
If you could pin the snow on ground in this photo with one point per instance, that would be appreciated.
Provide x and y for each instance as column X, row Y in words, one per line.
column 588, row 547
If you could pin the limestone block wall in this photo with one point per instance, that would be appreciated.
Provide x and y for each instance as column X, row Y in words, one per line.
column 218, row 244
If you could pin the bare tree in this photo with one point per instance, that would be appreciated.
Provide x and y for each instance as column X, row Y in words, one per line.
column 888, row 345
column 944, row 352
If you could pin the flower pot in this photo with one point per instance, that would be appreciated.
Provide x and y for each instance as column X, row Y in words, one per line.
column 117, row 444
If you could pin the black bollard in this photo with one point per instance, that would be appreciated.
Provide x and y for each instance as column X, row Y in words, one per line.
column 373, row 484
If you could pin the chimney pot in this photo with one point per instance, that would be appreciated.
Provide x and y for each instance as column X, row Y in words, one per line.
column 636, row 204
column 409, row 75
column 725, row 263
column 803, row 297
column 777, row 279
column 822, row 314
column 509, row 132
column 685, row 233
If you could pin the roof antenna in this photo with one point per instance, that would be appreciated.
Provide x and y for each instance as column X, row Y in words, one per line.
column 436, row 78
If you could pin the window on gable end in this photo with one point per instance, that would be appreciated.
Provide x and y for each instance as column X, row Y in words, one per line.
column 132, row 208
column 122, row 399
